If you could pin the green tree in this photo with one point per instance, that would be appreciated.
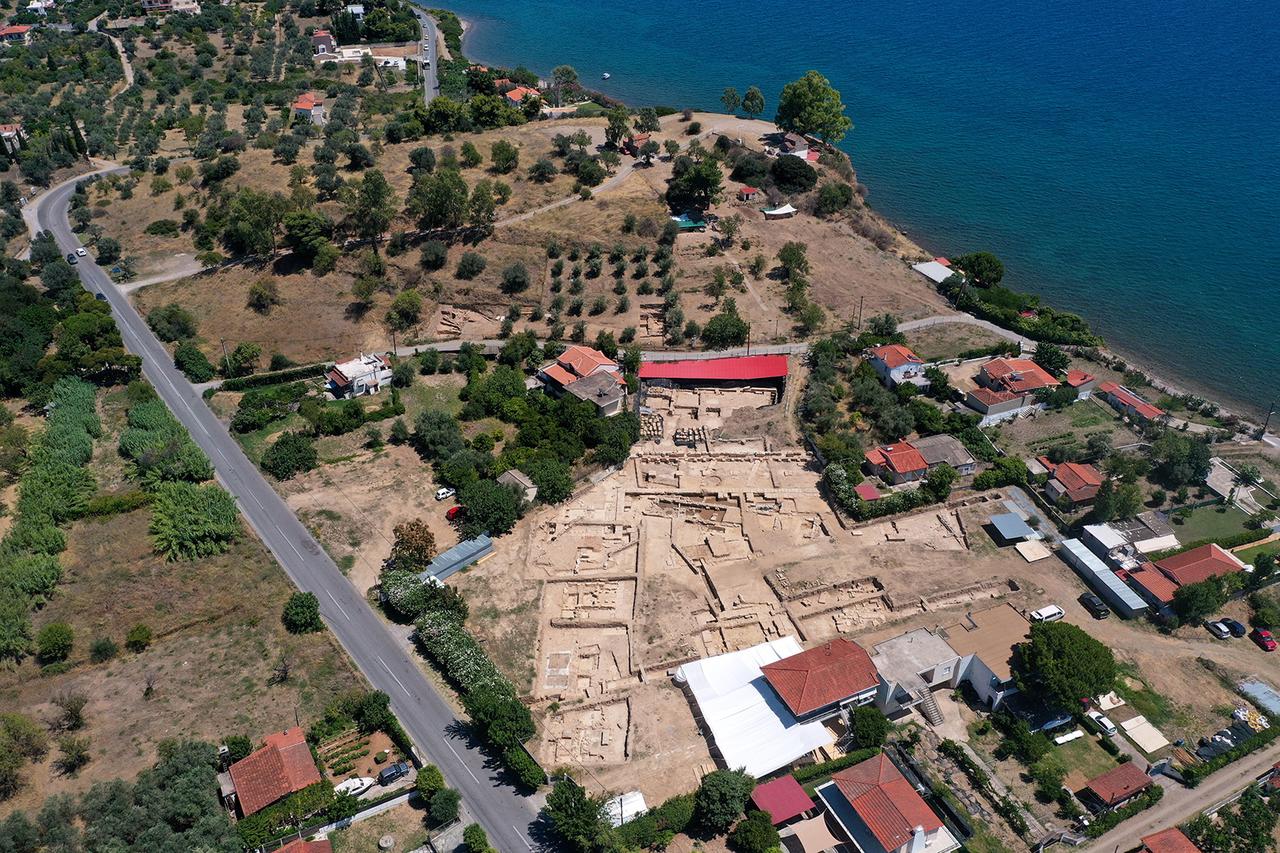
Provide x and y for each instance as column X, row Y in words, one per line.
column 731, row 100
column 439, row 200
column 444, row 806
column 1063, row 665
column 405, row 310
column 414, row 546
column 1180, row 459
column 695, row 184
column 1053, row 358
column 504, row 156
column 475, row 839
column 721, row 798
column 553, row 478
column 301, row 614
column 868, row 727
column 1194, row 601
column 515, row 278
column 471, row 156
column 372, row 207
column 725, row 329
column 491, row 508
column 983, row 267
column 428, row 781
column 54, row 642
column 755, row 834
column 647, row 120
column 794, row 258
column 619, row 127
column 577, row 818
column 108, row 251
column 753, row 102
column 811, row 105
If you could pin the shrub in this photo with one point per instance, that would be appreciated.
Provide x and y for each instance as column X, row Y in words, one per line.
column 192, row 362
column 103, row 649
column 54, row 642
column 515, row 278
column 301, row 614
column 793, row 174
column 172, row 322
column 428, row 782
column 755, row 834
column 138, row 638
column 444, row 806
column 435, row 254
column 475, row 839
column 470, row 265
column 833, row 197
column 190, row 521
column 292, row 453
column 263, row 295
column 720, row 799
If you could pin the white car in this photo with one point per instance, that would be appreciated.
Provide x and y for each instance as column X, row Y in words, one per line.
column 82, row 251
column 355, row 787
column 1048, row 613
column 444, row 493
column 1103, row 722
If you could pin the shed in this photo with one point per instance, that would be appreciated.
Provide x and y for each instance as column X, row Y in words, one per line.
column 518, row 479
column 782, row 798
column 785, row 212
column 458, row 557
column 1012, row 528
column 1102, row 580
column 934, row 271
column 746, row 193
column 866, row 491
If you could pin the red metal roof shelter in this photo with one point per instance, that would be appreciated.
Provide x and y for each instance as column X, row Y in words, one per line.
column 782, row 798
column 718, row 369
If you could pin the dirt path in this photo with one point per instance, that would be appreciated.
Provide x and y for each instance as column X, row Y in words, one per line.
column 179, row 266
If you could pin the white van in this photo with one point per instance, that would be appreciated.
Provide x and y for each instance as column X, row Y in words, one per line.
column 1048, row 613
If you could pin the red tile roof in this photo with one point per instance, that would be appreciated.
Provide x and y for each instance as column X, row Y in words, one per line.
column 822, row 676
column 1078, row 480
column 1124, row 397
column 307, row 101
column 1199, row 564
column 584, row 361
column 718, row 369
column 867, row 492
column 14, row 30
column 990, row 397
column 559, row 375
column 1160, row 587
column 1171, row 840
column 895, row 355
column 782, row 798
column 304, row 846
column 746, row 190
column 1076, row 378
column 1018, row 375
column 901, row 458
column 281, row 767
column 1119, row 783
column 885, row 801
column 518, row 94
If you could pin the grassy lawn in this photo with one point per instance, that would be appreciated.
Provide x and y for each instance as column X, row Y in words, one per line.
column 1073, row 425
column 1086, row 757
column 1251, row 554
column 1211, row 522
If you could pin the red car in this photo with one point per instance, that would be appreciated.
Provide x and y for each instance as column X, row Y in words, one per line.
column 1263, row 638
column 455, row 513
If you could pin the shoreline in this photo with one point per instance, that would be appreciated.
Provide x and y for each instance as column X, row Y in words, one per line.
column 1157, row 379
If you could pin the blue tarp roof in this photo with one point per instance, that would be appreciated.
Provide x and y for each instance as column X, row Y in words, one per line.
column 459, row 557
column 1011, row 526
column 1099, row 576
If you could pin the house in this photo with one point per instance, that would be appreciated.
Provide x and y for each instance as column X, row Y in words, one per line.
column 363, row 375
column 896, row 463
column 41, row 7
column 309, row 107
column 945, row 449
column 1007, row 388
column 356, row 9
column 518, row 480
column 895, row 364
column 12, row 137
column 746, row 193
column 157, row 7
column 517, row 95
column 746, row 722
column 16, row 34
column 1199, row 564
column 578, row 362
column 284, row 765
column 937, row 270
column 1117, row 786
column 1171, row 840
column 1084, row 383
column 782, row 799
column 881, row 812
column 603, row 391
column 301, row 845
column 634, row 142
column 1125, row 544
column 794, row 143
column 185, row 7
column 1078, row 482
column 824, row 680
column 1154, row 588
column 1123, row 600
column 1128, row 403
column 986, row 642
column 322, row 41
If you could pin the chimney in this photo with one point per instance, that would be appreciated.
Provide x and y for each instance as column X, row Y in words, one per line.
column 919, row 840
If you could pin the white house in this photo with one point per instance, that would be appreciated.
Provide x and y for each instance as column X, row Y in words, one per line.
column 360, row 376
column 895, row 364
column 310, row 107
column 356, row 9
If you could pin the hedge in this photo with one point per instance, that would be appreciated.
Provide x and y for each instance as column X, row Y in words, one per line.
column 1196, row 773
column 1244, row 537
column 257, row 380
column 816, row 771
column 1103, row 824
column 269, row 824
column 118, row 503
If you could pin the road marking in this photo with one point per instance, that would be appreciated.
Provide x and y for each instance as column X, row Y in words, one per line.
column 343, row 612
column 522, row 838
column 294, row 547
column 254, row 495
column 393, row 675
column 460, row 761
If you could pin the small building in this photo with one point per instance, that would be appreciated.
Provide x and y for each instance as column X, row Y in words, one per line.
column 1117, row 786
column 12, row 138
column 751, row 370
column 943, row 449
column 517, row 95
column 363, row 375
column 625, row 808
column 937, row 271
column 880, row 812
column 15, row 34
column 601, row 390
column 1153, row 587
column 356, row 9
column 1101, row 579
column 1128, row 403
column 635, row 142
column 1078, row 482
column 1125, row 544
column 986, row 642
column 1010, row 528
column 466, row 553
column 822, row 681
column 1084, row 383
column 157, row 7
column 746, row 193
column 578, row 362
column 517, row 479
column 1171, row 840
column 186, row 7
column 309, row 107
column 782, row 799
column 1007, row 389
column 302, row 845
column 866, row 491
column 794, row 143
column 1200, row 564
column 322, row 41
column 283, row 766
column 896, row 463
column 895, row 364
column 41, row 7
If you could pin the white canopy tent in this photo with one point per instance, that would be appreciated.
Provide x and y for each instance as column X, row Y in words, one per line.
column 934, row 271
column 749, row 723
column 780, row 212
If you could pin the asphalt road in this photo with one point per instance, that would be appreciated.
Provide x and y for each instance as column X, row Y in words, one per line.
column 430, row 83
column 437, row 733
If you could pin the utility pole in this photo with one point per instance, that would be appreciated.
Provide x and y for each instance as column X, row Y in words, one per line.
column 1271, row 411
column 393, row 343
column 861, row 301
column 226, row 359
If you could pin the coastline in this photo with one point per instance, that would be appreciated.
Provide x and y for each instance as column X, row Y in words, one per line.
column 1158, row 379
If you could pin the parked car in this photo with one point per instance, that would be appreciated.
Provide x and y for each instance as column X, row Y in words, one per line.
column 1264, row 639
column 82, row 251
column 1103, row 722
column 444, row 493
column 1237, row 629
column 72, row 259
column 1048, row 613
column 455, row 513
column 390, row 774
column 355, row 787
column 1218, row 630
column 1096, row 606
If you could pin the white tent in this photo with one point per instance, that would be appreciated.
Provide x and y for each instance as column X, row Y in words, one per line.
column 934, row 271
column 780, row 212
column 625, row 808
column 750, row 725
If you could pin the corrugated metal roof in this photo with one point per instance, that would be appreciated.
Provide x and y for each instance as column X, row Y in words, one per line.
column 713, row 369
column 1097, row 575
column 459, row 557
column 1011, row 527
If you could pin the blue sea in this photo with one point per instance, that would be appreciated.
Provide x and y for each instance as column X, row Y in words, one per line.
column 1121, row 156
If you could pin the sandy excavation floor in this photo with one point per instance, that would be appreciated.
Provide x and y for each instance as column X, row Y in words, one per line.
column 692, row 551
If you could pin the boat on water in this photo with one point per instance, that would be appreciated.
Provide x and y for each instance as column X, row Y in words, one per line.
column 605, row 76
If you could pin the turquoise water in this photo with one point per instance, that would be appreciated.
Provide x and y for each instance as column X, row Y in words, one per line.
column 1121, row 157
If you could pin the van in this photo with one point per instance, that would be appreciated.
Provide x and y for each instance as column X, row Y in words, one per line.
column 1048, row 613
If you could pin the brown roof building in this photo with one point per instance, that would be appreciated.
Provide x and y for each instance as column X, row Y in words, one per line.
column 1118, row 785
column 881, row 812
column 284, row 765
column 1199, row 564
column 1171, row 840
column 824, row 678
